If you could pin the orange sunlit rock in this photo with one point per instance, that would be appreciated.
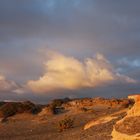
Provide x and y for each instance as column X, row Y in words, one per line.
column 128, row 127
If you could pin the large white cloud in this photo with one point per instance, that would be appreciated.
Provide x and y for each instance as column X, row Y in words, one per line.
column 63, row 72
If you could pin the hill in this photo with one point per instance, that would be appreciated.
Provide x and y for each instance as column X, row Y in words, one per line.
column 71, row 119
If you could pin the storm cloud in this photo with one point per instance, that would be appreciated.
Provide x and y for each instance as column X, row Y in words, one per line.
column 76, row 28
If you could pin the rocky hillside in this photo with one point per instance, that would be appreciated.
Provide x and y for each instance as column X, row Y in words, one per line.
column 71, row 119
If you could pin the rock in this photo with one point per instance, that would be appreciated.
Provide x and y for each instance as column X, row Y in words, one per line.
column 3, row 120
column 128, row 128
column 99, row 121
column 94, row 102
column 135, row 110
column 47, row 111
column 122, row 136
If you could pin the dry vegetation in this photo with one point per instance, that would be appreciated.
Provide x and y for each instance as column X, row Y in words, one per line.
column 12, row 108
column 66, row 123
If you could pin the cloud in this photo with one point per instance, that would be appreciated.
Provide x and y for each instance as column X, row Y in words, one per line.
column 63, row 72
column 127, row 62
column 9, row 86
column 6, row 85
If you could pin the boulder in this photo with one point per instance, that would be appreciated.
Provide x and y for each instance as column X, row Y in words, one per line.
column 135, row 110
column 129, row 127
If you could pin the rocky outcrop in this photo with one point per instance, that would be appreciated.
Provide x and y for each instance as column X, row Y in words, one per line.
column 135, row 110
column 49, row 110
column 97, row 102
column 106, row 119
column 99, row 121
column 129, row 127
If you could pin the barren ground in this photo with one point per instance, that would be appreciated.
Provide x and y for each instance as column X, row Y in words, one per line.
column 32, row 127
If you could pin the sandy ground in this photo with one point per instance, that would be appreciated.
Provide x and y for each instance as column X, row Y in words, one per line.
column 31, row 127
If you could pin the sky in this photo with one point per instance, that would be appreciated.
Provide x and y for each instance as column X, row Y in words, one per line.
column 69, row 48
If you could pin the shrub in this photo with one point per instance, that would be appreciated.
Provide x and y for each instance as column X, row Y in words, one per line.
column 7, row 110
column 2, row 103
column 66, row 123
column 49, row 110
column 57, row 103
column 131, row 103
column 83, row 109
column 28, row 107
column 11, row 108
column 130, row 106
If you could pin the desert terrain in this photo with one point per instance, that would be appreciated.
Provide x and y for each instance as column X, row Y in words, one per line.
column 93, row 119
